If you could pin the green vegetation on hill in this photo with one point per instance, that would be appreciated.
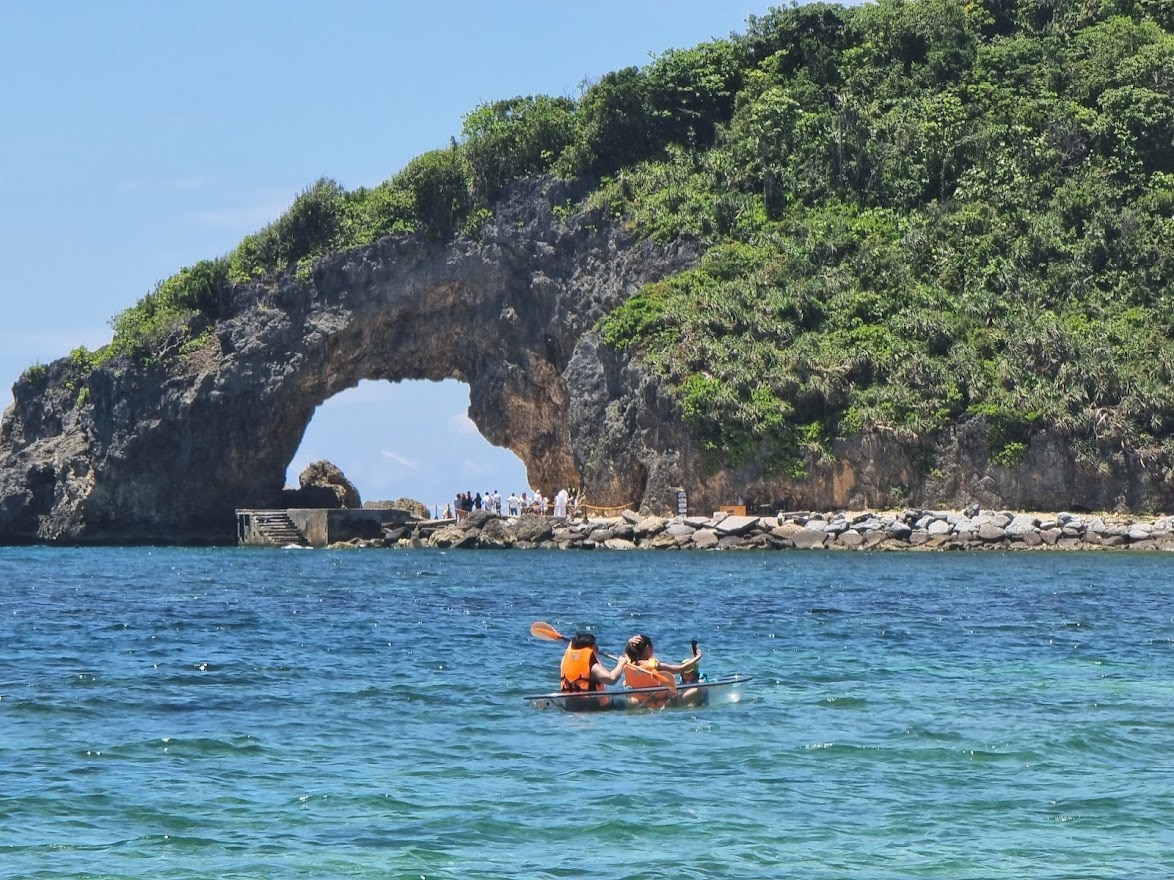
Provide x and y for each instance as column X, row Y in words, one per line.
column 922, row 212
column 917, row 212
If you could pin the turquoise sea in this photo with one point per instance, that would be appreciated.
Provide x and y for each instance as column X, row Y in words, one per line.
column 244, row 713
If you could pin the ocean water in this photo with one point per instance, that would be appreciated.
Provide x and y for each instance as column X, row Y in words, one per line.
column 245, row 713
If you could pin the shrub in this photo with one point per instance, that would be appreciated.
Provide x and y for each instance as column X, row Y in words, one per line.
column 508, row 140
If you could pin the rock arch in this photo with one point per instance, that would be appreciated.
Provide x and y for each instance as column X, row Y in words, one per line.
column 130, row 452
column 168, row 452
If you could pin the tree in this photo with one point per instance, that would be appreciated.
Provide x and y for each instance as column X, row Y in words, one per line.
column 438, row 185
column 692, row 91
column 507, row 140
column 614, row 125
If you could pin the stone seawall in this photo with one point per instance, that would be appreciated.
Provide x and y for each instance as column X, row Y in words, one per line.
column 909, row 529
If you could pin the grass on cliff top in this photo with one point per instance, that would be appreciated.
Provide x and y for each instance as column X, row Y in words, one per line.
column 917, row 213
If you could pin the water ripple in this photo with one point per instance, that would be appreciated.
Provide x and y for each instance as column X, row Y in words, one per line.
column 182, row 712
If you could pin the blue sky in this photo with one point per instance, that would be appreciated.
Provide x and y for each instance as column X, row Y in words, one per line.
column 139, row 137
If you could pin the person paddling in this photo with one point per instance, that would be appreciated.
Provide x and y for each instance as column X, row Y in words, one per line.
column 642, row 663
column 582, row 672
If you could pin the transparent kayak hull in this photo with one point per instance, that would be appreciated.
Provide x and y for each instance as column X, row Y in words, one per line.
column 722, row 688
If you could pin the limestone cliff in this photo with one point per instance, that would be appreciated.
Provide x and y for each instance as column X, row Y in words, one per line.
column 166, row 451
column 134, row 452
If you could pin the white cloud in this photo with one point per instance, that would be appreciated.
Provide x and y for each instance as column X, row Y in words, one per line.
column 399, row 459
column 462, row 424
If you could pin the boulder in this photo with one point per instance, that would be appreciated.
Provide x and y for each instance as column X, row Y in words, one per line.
column 622, row 530
column 478, row 519
column 660, row 541
column 453, row 536
column 619, row 544
column 991, row 532
column 736, row 525
column 900, row 531
column 850, row 538
column 704, row 539
column 786, row 530
column 809, row 539
column 533, row 529
column 1021, row 524
column 323, row 474
column 648, row 526
column 496, row 535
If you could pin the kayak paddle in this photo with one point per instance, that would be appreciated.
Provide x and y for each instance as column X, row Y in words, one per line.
column 540, row 629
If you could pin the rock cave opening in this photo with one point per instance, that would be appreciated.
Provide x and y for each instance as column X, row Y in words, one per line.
column 409, row 439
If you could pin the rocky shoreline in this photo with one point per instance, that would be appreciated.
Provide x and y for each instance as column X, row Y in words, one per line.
column 909, row 529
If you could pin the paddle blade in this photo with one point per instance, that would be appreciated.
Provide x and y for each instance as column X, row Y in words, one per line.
column 666, row 678
column 540, row 629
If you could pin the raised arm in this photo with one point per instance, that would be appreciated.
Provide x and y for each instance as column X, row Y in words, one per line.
column 683, row 666
column 602, row 675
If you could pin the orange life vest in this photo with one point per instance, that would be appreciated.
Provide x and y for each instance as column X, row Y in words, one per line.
column 576, row 670
column 576, row 678
column 637, row 675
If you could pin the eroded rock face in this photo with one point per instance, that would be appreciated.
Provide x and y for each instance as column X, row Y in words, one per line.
column 166, row 453
column 137, row 453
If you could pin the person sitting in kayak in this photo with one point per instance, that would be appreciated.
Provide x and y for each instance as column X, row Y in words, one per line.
column 583, row 673
column 641, row 659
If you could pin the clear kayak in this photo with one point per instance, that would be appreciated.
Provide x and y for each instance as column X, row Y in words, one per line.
column 721, row 688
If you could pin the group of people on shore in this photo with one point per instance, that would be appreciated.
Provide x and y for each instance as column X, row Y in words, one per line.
column 582, row 672
column 562, row 505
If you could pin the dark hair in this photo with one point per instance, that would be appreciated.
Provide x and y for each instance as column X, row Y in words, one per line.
column 636, row 645
column 582, row 640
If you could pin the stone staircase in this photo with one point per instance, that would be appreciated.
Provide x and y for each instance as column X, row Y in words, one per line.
column 278, row 528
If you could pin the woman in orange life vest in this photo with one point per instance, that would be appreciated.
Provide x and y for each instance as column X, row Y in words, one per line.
column 641, row 658
column 582, row 672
